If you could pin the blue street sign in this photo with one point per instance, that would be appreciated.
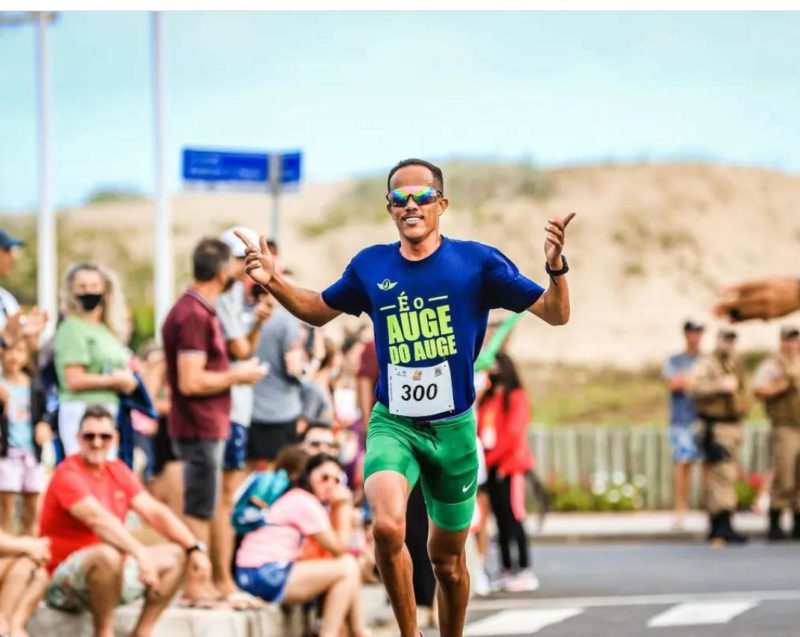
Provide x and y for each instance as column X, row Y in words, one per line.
column 290, row 167
column 216, row 165
column 233, row 166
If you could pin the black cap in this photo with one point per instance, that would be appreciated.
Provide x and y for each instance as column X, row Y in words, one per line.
column 693, row 326
column 7, row 241
column 789, row 331
column 727, row 332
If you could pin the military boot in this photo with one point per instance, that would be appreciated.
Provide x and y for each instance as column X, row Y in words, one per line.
column 714, row 535
column 775, row 533
column 727, row 532
column 796, row 528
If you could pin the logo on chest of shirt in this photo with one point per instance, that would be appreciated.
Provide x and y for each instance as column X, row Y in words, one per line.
column 386, row 285
column 419, row 328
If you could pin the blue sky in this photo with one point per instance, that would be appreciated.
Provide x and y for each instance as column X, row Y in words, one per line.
column 358, row 91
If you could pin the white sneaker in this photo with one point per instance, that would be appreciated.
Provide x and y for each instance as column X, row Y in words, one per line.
column 523, row 582
column 501, row 581
column 480, row 582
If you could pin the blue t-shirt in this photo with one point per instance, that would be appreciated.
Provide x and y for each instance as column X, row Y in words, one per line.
column 682, row 409
column 20, row 427
column 434, row 310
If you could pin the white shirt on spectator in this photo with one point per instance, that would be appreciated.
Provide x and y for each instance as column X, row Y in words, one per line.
column 8, row 307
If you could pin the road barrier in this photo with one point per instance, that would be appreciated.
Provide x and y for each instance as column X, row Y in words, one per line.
column 638, row 454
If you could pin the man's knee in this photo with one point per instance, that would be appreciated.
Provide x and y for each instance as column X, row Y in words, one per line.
column 172, row 558
column 389, row 532
column 449, row 570
column 103, row 561
column 23, row 567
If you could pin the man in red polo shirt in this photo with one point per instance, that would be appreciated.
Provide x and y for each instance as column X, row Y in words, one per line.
column 96, row 563
column 200, row 382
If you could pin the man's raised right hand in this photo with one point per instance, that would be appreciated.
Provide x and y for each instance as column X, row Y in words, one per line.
column 259, row 262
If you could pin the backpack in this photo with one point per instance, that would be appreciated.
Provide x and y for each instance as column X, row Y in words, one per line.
column 254, row 497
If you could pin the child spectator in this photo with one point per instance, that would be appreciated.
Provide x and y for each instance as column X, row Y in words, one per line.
column 267, row 563
column 22, row 434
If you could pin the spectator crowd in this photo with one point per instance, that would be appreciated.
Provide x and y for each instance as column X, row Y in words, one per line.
column 238, row 436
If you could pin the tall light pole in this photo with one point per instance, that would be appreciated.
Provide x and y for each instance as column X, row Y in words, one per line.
column 164, row 280
column 45, row 223
column 46, row 232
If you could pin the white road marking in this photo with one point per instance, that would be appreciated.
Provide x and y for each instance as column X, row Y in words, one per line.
column 631, row 600
column 698, row 613
column 515, row 622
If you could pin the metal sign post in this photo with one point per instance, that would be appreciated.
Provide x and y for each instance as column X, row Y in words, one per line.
column 275, row 189
column 46, row 287
column 240, row 169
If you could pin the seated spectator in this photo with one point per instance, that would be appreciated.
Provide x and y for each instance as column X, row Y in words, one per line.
column 318, row 438
column 22, row 434
column 96, row 562
column 91, row 358
column 23, row 580
column 267, row 563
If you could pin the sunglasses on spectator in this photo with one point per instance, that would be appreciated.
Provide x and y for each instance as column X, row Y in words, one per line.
column 316, row 444
column 89, row 436
column 329, row 477
column 420, row 194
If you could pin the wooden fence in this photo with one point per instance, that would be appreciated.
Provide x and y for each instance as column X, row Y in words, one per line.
column 638, row 454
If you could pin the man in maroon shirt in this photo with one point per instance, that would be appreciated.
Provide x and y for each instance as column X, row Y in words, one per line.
column 200, row 380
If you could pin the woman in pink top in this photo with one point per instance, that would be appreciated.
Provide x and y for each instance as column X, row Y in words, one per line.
column 267, row 566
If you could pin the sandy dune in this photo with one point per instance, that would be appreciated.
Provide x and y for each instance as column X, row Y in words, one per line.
column 650, row 246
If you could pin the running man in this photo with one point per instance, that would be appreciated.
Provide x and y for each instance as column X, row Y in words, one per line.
column 429, row 298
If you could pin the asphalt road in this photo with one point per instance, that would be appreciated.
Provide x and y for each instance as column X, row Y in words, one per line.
column 650, row 590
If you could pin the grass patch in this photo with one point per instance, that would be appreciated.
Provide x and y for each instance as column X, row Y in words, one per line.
column 571, row 394
column 567, row 394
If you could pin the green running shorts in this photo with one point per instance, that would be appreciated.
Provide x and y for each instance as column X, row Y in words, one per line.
column 442, row 453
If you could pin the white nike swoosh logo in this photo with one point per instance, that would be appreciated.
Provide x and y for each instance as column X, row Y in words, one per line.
column 465, row 488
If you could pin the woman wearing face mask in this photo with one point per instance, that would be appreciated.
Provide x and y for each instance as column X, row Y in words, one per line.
column 503, row 417
column 267, row 562
column 91, row 359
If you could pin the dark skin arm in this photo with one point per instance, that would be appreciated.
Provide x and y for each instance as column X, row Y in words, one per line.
column 306, row 305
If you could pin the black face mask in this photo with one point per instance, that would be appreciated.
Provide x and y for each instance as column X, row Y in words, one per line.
column 89, row 301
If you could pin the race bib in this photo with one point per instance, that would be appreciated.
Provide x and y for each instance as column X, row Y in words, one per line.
column 416, row 392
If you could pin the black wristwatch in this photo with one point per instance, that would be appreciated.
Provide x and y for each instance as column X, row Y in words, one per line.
column 197, row 546
column 564, row 268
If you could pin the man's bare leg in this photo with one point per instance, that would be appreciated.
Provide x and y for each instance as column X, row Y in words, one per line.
column 37, row 581
column 14, row 573
column 387, row 494
column 170, row 562
column 103, row 566
column 682, row 484
column 449, row 559
column 222, row 535
column 195, row 589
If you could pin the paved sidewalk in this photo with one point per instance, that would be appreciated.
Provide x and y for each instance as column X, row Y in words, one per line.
column 642, row 525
